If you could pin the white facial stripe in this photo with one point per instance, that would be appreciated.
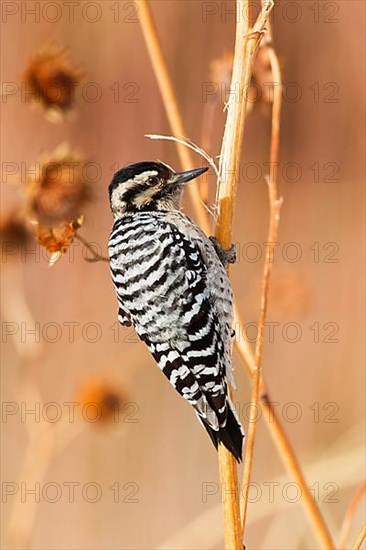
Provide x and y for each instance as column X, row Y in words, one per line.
column 140, row 178
column 142, row 197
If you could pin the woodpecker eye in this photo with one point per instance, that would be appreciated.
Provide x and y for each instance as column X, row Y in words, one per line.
column 153, row 180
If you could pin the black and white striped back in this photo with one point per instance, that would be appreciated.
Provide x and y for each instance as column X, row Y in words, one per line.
column 173, row 288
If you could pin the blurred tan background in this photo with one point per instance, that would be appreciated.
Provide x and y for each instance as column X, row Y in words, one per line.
column 165, row 458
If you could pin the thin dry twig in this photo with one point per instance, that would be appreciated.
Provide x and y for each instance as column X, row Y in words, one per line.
column 360, row 538
column 209, row 111
column 244, row 350
column 259, row 388
column 351, row 510
column 191, row 145
column 275, row 205
column 188, row 143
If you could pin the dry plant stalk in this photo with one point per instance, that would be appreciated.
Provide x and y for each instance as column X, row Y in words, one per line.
column 275, row 205
column 351, row 510
column 244, row 350
column 246, row 45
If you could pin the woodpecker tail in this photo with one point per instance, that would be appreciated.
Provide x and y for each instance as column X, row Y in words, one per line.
column 231, row 435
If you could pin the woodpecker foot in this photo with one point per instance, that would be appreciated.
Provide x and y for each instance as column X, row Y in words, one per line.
column 226, row 256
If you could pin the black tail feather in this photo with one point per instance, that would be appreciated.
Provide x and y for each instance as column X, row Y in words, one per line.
column 230, row 435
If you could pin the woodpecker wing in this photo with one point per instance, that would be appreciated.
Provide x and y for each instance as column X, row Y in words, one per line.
column 173, row 288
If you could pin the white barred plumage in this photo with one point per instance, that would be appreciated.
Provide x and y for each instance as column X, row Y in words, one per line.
column 172, row 286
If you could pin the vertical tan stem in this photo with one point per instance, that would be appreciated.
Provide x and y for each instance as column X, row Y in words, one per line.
column 230, row 154
column 246, row 46
column 245, row 49
column 230, row 499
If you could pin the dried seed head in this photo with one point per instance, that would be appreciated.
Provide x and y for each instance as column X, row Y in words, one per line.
column 56, row 240
column 101, row 402
column 53, row 81
column 56, row 189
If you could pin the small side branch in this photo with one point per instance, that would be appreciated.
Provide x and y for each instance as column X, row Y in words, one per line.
column 96, row 257
column 256, row 377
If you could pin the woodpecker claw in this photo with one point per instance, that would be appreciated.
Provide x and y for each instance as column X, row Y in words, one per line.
column 225, row 256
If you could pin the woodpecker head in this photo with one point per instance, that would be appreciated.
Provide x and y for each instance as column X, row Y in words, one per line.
column 148, row 186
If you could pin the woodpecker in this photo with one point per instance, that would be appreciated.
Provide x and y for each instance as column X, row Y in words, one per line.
column 171, row 285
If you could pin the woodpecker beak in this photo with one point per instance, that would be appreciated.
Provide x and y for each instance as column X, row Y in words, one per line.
column 184, row 177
